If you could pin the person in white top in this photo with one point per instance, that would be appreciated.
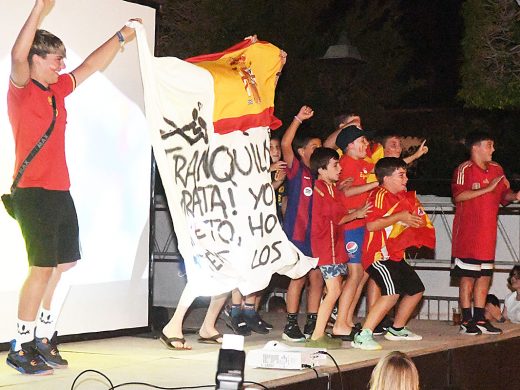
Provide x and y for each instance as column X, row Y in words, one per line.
column 512, row 301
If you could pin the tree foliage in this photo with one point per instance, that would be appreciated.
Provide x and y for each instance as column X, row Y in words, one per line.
column 491, row 46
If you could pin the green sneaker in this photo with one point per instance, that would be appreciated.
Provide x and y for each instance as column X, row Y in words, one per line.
column 403, row 334
column 324, row 342
column 365, row 340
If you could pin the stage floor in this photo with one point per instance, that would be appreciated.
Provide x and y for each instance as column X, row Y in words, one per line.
column 141, row 359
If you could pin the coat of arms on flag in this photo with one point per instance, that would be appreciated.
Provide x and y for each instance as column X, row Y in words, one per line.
column 209, row 120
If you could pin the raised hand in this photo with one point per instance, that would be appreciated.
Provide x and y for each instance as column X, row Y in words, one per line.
column 128, row 31
column 305, row 113
column 423, row 149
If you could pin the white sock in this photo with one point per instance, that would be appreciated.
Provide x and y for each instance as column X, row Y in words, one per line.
column 25, row 333
column 45, row 324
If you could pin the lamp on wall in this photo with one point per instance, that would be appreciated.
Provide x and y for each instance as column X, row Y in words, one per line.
column 343, row 50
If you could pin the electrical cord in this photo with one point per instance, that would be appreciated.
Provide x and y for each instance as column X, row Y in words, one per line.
column 312, row 368
column 337, row 367
column 112, row 387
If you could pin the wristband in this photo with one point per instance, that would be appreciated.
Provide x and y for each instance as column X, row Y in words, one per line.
column 298, row 119
column 121, row 39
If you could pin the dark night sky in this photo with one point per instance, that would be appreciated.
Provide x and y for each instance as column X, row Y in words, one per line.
column 434, row 29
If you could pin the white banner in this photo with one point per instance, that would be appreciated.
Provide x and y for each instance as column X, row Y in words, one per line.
column 218, row 186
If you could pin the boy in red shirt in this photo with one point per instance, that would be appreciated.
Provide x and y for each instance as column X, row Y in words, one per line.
column 352, row 141
column 42, row 202
column 478, row 187
column 383, row 262
column 328, row 214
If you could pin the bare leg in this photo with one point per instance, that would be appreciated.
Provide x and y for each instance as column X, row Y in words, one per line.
column 294, row 292
column 53, row 282
column 208, row 328
column 315, row 290
column 373, row 293
column 406, row 307
column 378, row 311
column 466, row 291
column 326, row 306
column 359, row 291
column 174, row 327
column 480, row 291
column 236, row 297
column 343, row 324
column 33, row 291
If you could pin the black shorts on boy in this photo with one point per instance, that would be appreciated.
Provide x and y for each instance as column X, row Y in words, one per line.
column 49, row 225
column 395, row 277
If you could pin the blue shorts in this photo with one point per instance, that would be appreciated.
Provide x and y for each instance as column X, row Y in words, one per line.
column 353, row 243
column 333, row 270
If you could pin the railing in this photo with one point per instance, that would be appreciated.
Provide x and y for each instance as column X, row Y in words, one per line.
column 442, row 208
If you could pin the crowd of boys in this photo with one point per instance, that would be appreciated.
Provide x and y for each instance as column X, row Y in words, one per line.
column 341, row 210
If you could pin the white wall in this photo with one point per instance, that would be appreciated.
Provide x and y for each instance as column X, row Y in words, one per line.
column 109, row 161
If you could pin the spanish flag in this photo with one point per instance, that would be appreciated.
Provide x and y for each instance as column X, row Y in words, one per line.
column 244, row 77
column 403, row 236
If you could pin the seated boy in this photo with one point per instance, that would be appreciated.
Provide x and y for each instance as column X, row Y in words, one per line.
column 328, row 214
column 383, row 262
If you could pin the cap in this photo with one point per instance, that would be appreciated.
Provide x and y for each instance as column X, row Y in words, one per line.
column 347, row 135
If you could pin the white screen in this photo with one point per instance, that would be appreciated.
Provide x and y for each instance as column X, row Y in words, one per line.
column 108, row 154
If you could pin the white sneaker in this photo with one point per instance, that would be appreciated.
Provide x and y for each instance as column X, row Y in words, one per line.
column 403, row 334
column 365, row 340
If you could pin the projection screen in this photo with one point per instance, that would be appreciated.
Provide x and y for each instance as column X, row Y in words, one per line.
column 109, row 154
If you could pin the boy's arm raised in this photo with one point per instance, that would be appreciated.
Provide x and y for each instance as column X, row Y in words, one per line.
column 20, row 72
column 287, row 152
column 100, row 58
column 471, row 194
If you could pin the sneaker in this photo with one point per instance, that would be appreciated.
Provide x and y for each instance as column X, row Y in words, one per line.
column 383, row 326
column 255, row 323
column 48, row 350
column 403, row 334
column 239, row 326
column 469, row 328
column 365, row 340
column 323, row 342
column 486, row 328
column 266, row 324
column 308, row 329
column 27, row 360
column 293, row 333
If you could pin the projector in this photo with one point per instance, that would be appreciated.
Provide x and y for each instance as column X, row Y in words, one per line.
column 281, row 356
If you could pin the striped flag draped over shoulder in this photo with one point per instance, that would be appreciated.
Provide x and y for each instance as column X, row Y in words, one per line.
column 402, row 236
column 209, row 120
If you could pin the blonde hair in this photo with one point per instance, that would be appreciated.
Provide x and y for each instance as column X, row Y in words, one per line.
column 395, row 371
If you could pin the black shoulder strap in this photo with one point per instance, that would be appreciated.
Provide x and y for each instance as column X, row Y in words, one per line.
column 36, row 148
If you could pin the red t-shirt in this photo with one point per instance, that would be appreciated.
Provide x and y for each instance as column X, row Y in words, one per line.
column 359, row 170
column 30, row 114
column 475, row 222
column 375, row 243
column 326, row 234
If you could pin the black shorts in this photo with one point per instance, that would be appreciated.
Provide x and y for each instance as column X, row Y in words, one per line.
column 395, row 277
column 471, row 268
column 49, row 226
